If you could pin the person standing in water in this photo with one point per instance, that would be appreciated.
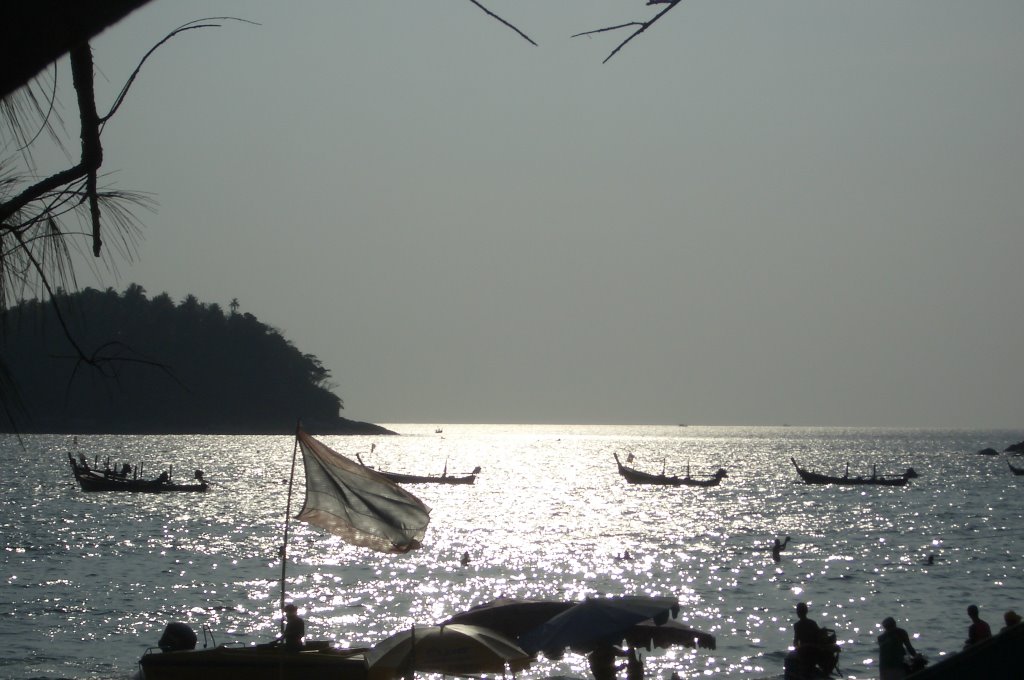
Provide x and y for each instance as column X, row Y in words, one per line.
column 778, row 548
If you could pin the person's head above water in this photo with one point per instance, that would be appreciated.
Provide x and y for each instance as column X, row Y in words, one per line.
column 888, row 623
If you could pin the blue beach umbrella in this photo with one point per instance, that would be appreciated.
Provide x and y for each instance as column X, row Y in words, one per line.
column 511, row 616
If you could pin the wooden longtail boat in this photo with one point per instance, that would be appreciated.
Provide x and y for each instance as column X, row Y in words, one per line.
column 815, row 478
column 318, row 661
column 443, row 478
column 110, row 480
column 401, row 478
column 634, row 476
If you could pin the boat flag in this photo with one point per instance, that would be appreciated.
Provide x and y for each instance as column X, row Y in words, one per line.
column 360, row 505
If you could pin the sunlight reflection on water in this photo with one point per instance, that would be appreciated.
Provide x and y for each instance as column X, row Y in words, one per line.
column 91, row 579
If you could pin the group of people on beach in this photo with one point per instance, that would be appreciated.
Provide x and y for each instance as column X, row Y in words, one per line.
column 815, row 652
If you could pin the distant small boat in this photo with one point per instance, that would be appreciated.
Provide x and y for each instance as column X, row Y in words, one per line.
column 634, row 476
column 815, row 478
column 438, row 431
column 119, row 480
column 1015, row 470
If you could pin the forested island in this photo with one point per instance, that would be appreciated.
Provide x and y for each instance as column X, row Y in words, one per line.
column 115, row 363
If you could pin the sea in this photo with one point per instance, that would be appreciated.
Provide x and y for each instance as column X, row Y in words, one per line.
column 89, row 580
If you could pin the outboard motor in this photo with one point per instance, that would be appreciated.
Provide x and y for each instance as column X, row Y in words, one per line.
column 177, row 637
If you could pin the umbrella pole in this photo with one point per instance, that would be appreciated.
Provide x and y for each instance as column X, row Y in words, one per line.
column 287, row 517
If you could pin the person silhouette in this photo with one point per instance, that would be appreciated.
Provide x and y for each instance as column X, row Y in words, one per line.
column 602, row 662
column 778, row 548
column 891, row 644
column 978, row 630
column 634, row 665
column 294, row 628
column 465, row 559
column 1010, row 618
column 806, row 639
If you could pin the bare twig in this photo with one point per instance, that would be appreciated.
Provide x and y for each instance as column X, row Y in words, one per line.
column 643, row 25
column 209, row 22
column 495, row 16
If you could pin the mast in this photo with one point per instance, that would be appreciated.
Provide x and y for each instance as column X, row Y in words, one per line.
column 283, row 551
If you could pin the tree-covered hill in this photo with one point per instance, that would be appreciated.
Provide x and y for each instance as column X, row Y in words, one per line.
column 158, row 367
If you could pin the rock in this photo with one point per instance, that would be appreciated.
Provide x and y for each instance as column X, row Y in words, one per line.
column 988, row 452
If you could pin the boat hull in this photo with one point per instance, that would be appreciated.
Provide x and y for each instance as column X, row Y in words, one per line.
column 809, row 477
column 998, row 658
column 90, row 480
column 400, row 478
column 634, row 476
column 254, row 663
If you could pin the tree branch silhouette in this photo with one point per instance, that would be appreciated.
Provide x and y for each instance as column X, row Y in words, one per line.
column 643, row 26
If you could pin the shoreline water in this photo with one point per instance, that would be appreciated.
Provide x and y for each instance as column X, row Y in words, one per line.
column 92, row 579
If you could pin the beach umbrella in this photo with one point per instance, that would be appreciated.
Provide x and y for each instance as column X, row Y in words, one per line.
column 511, row 616
column 669, row 634
column 450, row 650
column 596, row 622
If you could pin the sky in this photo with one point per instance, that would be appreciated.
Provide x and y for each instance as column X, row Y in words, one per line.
column 757, row 213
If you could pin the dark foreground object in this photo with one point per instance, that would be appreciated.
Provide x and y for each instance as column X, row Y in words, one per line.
column 1001, row 657
column 317, row 661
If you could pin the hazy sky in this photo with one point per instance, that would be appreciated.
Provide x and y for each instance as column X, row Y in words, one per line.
column 769, row 212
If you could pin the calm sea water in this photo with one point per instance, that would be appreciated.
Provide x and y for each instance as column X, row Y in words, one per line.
column 89, row 580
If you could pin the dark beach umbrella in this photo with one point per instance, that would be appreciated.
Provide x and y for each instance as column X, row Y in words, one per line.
column 596, row 622
column 669, row 634
column 511, row 616
column 450, row 650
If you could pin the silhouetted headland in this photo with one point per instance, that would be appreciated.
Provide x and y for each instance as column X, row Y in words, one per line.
column 137, row 366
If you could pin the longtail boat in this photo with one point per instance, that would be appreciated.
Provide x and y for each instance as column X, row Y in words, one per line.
column 443, row 478
column 809, row 477
column 108, row 479
column 634, row 476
